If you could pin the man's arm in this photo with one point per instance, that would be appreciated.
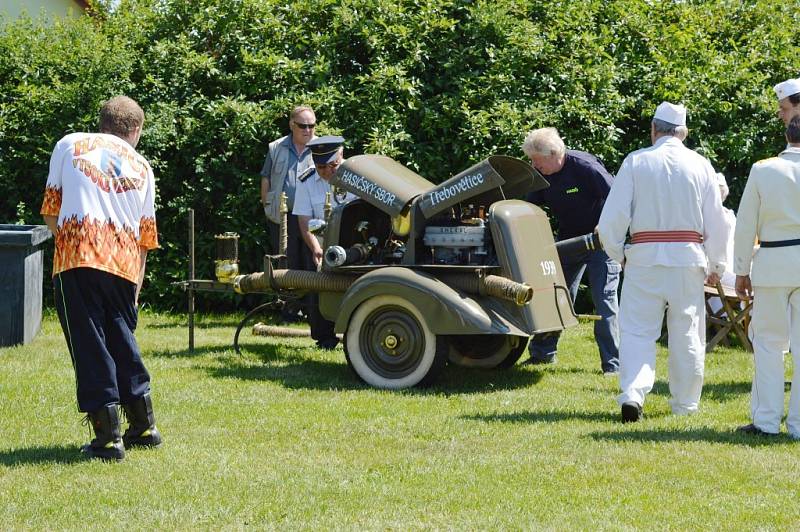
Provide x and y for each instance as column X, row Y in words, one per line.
column 716, row 231
column 142, row 262
column 744, row 287
column 746, row 226
column 310, row 240
column 266, row 171
column 264, row 190
column 601, row 179
column 616, row 216
column 52, row 223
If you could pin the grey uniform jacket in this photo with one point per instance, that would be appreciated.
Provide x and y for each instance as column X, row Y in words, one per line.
column 278, row 157
column 770, row 210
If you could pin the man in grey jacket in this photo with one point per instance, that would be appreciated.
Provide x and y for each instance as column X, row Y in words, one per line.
column 287, row 159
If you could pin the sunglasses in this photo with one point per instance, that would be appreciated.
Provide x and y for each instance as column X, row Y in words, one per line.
column 305, row 126
column 329, row 166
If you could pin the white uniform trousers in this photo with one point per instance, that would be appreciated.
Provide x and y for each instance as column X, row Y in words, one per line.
column 646, row 292
column 776, row 317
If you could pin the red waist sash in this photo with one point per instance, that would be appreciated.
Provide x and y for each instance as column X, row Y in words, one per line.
column 646, row 237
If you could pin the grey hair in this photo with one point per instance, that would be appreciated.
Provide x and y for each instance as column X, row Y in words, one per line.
column 299, row 109
column 545, row 141
column 666, row 128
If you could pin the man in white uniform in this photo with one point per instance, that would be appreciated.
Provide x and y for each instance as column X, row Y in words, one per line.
column 770, row 210
column 310, row 203
column 788, row 93
column 667, row 195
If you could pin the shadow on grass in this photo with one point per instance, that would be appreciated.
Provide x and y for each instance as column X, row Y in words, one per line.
column 294, row 373
column 456, row 380
column 566, row 370
column 261, row 350
column 715, row 391
column 198, row 325
column 691, row 435
column 285, row 364
column 41, row 455
column 723, row 391
column 547, row 416
column 184, row 353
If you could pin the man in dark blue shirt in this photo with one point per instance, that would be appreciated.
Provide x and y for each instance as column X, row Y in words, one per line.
column 579, row 185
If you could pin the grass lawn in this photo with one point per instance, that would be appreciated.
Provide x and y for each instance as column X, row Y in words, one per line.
column 286, row 437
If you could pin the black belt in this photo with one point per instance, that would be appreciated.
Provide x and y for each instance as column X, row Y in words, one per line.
column 780, row 243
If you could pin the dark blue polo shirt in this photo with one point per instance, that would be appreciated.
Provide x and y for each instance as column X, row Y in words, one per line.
column 576, row 194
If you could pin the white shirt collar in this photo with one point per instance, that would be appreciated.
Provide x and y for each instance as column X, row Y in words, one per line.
column 667, row 138
column 791, row 149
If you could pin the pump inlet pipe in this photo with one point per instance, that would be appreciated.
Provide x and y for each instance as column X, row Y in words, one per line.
column 576, row 245
column 490, row 285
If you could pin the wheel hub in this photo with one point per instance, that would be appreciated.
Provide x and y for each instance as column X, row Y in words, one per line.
column 392, row 342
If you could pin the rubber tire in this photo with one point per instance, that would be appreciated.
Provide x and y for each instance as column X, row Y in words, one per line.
column 434, row 349
column 505, row 355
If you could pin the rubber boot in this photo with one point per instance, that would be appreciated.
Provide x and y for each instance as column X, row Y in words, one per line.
column 107, row 444
column 142, row 431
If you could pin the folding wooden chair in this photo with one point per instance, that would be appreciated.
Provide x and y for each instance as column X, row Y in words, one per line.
column 734, row 315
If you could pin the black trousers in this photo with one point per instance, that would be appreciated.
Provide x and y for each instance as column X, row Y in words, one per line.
column 322, row 330
column 98, row 315
column 297, row 255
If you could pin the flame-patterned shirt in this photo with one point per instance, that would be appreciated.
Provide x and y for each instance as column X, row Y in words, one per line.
column 103, row 193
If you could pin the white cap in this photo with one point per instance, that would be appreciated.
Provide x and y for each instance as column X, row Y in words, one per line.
column 671, row 113
column 786, row 88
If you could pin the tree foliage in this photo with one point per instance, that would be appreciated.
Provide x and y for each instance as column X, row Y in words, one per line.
column 435, row 84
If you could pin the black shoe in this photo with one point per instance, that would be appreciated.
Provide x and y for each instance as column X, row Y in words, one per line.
column 752, row 429
column 142, row 431
column 631, row 412
column 107, row 444
column 110, row 451
column 328, row 344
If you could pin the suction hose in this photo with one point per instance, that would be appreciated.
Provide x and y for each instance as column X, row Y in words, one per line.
column 491, row 285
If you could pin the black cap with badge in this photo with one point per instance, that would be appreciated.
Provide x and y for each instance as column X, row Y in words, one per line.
column 324, row 149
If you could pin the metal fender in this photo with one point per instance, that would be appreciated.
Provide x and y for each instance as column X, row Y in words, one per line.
column 447, row 310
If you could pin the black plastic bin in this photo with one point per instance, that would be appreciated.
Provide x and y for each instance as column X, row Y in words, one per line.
column 21, row 271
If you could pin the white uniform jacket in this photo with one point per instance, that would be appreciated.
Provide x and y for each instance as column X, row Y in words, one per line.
column 666, row 187
column 310, row 197
column 770, row 210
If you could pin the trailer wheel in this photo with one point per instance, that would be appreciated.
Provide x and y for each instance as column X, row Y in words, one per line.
column 389, row 345
column 486, row 351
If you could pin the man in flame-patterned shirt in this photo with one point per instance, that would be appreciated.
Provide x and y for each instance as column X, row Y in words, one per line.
column 99, row 203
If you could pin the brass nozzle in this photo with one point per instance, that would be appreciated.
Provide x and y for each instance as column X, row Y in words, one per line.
column 328, row 207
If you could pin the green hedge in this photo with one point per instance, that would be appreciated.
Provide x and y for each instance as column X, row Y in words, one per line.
column 436, row 84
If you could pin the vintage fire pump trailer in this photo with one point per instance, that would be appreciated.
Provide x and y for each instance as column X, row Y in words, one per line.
column 416, row 274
